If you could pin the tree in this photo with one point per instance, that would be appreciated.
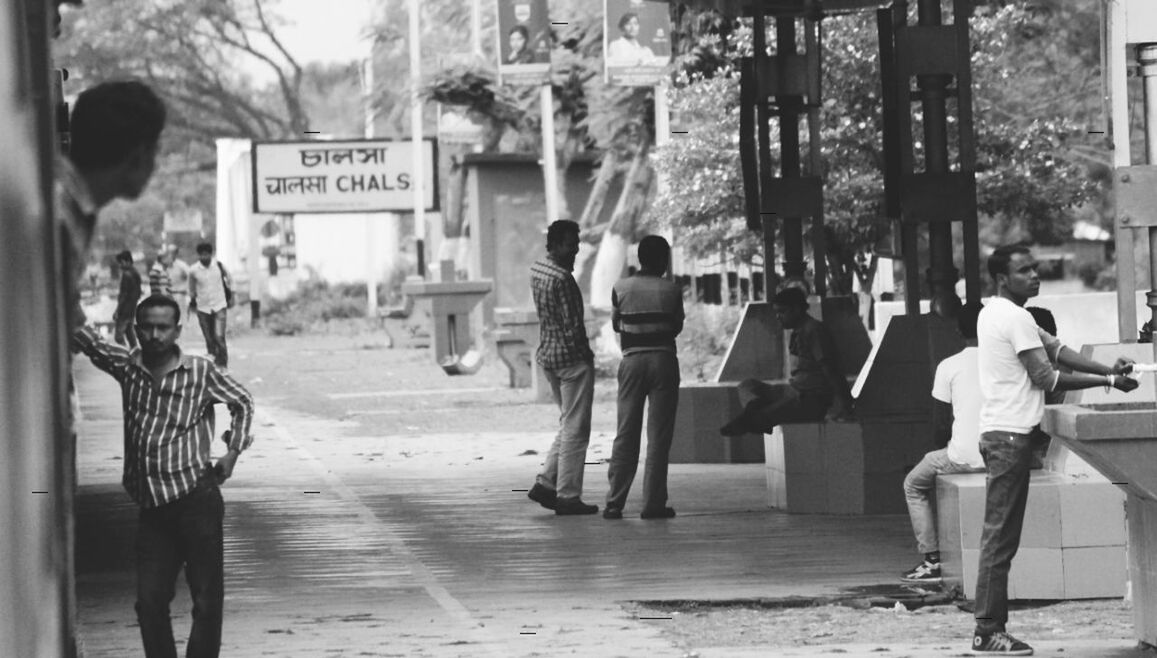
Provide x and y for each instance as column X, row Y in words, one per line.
column 1026, row 172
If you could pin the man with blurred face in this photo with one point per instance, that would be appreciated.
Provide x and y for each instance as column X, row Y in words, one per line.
column 565, row 355
column 1017, row 364
column 817, row 383
column 168, row 471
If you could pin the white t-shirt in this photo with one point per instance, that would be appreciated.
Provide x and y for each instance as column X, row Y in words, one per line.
column 957, row 382
column 1009, row 400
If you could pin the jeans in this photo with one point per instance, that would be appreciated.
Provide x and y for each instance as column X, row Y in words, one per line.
column 765, row 406
column 1007, row 456
column 213, row 328
column 187, row 532
column 574, row 393
column 644, row 377
column 918, row 485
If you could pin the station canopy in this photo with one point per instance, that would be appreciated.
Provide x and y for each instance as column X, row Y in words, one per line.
column 786, row 7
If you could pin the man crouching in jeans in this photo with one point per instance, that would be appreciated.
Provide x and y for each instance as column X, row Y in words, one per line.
column 168, row 399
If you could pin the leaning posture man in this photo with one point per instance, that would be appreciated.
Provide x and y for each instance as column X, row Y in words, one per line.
column 956, row 413
column 1017, row 366
column 565, row 355
column 648, row 314
column 207, row 283
column 817, row 384
column 168, row 400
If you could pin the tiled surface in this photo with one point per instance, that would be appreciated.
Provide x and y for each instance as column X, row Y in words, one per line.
column 1072, row 545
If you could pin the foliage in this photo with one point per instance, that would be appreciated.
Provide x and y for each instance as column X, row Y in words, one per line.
column 703, row 343
column 1029, row 174
column 314, row 302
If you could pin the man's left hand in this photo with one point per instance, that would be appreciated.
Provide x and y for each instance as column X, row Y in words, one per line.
column 1123, row 366
column 224, row 466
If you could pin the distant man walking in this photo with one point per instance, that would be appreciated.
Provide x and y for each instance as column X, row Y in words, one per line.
column 956, row 414
column 207, row 283
column 1017, row 366
column 178, row 279
column 648, row 315
column 127, row 297
column 168, row 400
column 159, row 282
column 565, row 355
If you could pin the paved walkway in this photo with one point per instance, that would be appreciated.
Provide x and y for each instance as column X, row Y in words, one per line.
column 336, row 546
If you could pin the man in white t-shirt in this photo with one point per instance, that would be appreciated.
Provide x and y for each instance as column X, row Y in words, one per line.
column 1017, row 365
column 956, row 414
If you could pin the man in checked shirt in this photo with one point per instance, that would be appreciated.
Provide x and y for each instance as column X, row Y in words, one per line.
column 566, row 357
column 167, row 399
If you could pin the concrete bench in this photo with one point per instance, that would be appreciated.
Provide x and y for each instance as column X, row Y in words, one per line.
column 1072, row 546
column 841, row 468
column 704, row 407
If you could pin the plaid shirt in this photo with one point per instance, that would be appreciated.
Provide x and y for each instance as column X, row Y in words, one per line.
column 169, row 424
column 559, row 302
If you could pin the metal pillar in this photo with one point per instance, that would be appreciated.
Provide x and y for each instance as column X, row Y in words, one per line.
column 942, row 275
column 789, row 106
column 1147, row 58
column 763, row 130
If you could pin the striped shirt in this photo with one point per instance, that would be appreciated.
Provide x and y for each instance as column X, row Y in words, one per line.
column 648, row 313
column 159, row 283
column 562, row 333
column 168, row 425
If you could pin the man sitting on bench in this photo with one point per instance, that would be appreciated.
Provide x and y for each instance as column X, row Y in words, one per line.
column 956, row 422
column 816, row 383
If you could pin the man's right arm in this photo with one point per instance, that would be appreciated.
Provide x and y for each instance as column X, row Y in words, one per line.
column 110, row 358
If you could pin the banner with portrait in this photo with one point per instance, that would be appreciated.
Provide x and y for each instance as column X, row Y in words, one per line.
column 523, row 42
column 636, row 42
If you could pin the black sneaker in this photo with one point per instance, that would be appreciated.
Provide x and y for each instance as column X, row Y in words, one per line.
column 665, row 513
column 612, row 513
column 573, row 507
column 925, row 572
column 1000, row 643
column 543, row 496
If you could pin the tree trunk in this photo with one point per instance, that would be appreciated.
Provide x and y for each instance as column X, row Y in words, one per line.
column 598, row 194
column 612, row 256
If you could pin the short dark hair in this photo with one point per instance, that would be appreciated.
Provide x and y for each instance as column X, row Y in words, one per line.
column 205, row 248
column 125, row 255
column 626, row 18
column 791, row 297
column 1043, row 318
column 654, row 253
column 521, row 29
column 559, row 229
column 113, row 119
column 157, row 301
column 1001, row 256
column 966, row 319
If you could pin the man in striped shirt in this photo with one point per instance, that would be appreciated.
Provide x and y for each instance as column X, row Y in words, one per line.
column 648, row 314
column 566, row 357
column 167, row 399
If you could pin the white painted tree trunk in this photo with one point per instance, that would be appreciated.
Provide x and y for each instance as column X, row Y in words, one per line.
column 609, row 265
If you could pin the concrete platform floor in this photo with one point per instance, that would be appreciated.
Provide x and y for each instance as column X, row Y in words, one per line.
column 416, row 544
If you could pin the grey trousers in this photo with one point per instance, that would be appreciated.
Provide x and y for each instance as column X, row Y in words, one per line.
column 574, row 393
column 644, row 377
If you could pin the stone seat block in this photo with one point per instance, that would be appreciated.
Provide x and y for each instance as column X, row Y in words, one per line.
column 703, row 408
column 1072, row 545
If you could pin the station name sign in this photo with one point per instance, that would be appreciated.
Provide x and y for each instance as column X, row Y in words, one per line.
column 365, row 175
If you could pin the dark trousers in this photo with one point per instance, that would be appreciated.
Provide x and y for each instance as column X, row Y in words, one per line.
column 765, row 406
column 125, row 332
column 651, row 378
column 213, row 329
column 1007, row 456
column 186, row 532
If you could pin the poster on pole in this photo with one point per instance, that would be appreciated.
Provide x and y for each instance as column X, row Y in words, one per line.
column 636, row 42
column 362, row 175
column 523, row 42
